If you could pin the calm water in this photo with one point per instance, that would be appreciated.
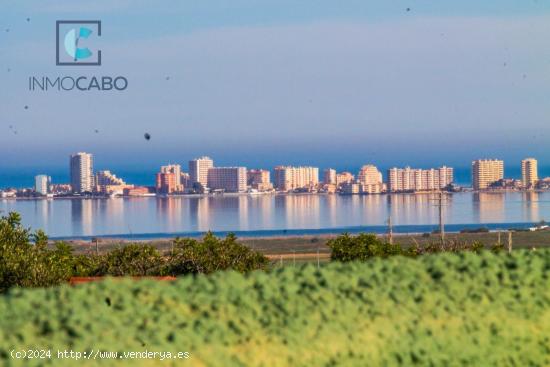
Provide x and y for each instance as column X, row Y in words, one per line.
column 275, row 214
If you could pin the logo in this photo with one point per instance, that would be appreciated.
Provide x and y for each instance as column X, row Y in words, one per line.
column 75, row 40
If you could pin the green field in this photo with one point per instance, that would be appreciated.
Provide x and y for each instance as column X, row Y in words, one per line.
column 447, row 309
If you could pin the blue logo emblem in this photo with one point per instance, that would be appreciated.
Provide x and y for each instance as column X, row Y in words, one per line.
column 72, row 42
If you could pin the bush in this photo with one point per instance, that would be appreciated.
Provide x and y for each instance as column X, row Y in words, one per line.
column 475, row 230
column 26, row 260
column 132, row 260
column 361, row 247
column 212, row 254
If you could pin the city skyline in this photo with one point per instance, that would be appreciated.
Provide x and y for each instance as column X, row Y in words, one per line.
column 202, row 171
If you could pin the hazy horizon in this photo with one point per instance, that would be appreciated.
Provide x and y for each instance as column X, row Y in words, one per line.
column 317, row 83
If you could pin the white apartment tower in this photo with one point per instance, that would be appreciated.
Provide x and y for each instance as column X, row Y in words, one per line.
column 529, row 172
column 291, row 178
column 42, row 184
column 198, row 170
column 412, row 179
column 82, row 172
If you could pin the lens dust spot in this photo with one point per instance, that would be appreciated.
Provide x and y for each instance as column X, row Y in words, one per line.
column 147, row 136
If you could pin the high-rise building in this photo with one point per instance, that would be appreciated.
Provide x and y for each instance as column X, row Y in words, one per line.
column 259, row 179
column 369, row 175
column 166, row 182
column 411, row 179
column 228, row 179
column 81, row 172
column 42, row 184
column 529, row 172
column 370, row 180
column 198, row 170
column 292, row 178
column 329, row 176
column 485, row 172
column 176, row 170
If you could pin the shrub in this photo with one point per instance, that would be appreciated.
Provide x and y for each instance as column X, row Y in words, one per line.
column 25, row 259
column 212, row 254
column 132, row 260
column 361, row 247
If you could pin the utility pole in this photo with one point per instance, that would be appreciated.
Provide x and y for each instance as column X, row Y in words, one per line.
column 509, row 242
column 317, row 257
column 441, row 224
column 498, row 241
column 390, row 231
column 96, row 240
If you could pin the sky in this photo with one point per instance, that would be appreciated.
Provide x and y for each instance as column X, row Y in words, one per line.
column 262, row 83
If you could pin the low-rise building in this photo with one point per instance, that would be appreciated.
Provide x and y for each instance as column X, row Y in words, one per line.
column 259, row 179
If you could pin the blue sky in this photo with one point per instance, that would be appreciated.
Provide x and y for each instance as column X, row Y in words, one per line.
column 261, row 83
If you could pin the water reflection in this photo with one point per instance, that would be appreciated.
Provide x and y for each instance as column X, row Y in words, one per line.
column 489, row 207
column 263, row 212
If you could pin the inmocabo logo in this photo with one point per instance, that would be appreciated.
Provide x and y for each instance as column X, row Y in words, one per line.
column 70, row 34
column 76, row 44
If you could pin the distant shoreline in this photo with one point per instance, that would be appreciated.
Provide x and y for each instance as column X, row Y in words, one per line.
column 398, row 230
column 78, row 197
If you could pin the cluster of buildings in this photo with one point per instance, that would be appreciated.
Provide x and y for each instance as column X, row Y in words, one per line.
column 488, row 174
column 204, row 177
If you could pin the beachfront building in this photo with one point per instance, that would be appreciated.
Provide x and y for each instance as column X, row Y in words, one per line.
column 410, row 179
column 108, row 183
column 329, row 176
column 529, row 173
column 485, row 172
column 198, row 170
column 227, row 179
column 42, row 184
column 176, row 170
column 289, row 178
column 81, row 172
column 370, row 180
column 167, row 183
column 259, row 179
column 344, row 177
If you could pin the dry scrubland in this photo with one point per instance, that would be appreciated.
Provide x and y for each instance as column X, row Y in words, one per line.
column 461, row 309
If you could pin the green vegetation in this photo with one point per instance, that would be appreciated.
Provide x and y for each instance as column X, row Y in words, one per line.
column 365, row 246
column 455, row 309
column 26, row 260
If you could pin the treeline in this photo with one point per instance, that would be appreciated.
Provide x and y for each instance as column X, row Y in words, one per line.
column 26, row 260
column 365, row 246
